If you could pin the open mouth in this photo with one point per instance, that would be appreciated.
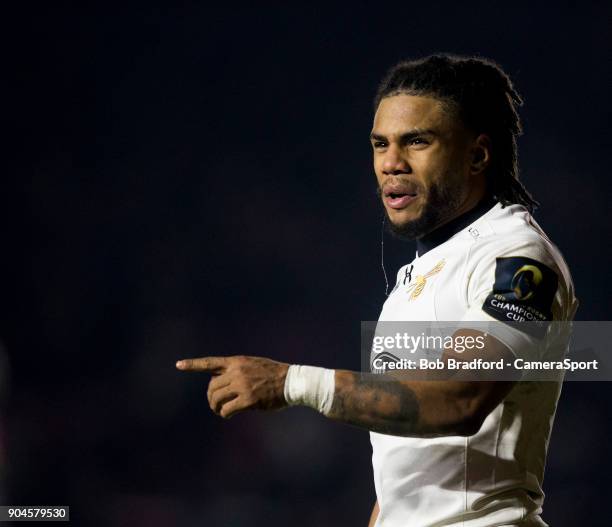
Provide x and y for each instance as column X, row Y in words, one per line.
column 398, row 199
column 395, row 195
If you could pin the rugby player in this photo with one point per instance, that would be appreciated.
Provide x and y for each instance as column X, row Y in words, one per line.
column 449, row 452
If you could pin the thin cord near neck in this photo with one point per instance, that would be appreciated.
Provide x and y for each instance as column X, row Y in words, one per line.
column 382, row 255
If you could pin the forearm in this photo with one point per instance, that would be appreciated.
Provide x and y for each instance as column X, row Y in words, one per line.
column 404, row 408
column 367, row 401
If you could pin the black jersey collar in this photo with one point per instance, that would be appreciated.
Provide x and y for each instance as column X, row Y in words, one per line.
column 446, row 231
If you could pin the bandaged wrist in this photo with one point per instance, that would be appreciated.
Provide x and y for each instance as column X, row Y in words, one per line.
column 310, row 386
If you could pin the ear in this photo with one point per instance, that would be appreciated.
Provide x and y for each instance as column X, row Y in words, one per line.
column 480, row 154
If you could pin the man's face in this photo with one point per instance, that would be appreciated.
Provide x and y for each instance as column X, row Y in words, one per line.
column 422, row 163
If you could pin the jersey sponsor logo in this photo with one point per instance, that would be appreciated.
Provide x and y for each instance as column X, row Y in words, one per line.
column 523, row 292
column 416, row 288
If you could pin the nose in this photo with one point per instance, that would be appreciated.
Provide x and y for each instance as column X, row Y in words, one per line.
column 394, row 163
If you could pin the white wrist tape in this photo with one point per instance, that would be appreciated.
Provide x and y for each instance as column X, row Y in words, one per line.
column 310, row 386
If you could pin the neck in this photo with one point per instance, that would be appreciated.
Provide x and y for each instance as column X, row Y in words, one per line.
column 458, row 222
column 469, row 204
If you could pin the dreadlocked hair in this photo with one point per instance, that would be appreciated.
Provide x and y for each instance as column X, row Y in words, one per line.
column 485, row 100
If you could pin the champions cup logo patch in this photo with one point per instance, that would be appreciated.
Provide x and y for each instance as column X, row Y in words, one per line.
column 416, row 288
column 523, row 292
column 525, row 281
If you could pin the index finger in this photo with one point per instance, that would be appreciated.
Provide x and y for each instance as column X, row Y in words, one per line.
column 210, row 364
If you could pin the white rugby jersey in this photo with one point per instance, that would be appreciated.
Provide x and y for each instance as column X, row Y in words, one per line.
column 493, row 478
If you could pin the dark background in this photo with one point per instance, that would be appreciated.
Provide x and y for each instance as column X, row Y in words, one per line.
column 195, row 180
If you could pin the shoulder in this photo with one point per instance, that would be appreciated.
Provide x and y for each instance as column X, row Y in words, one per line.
column 512, row 252
column 510, row 231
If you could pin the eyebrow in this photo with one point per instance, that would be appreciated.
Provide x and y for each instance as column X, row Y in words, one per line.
column 406, row 136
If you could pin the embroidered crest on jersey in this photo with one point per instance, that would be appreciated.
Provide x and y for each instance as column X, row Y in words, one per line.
column 416, row 288
column 523, row 291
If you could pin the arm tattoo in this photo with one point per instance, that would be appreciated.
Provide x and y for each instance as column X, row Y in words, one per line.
column 378, row 404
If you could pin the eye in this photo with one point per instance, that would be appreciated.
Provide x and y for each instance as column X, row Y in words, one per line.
column 379, row 144
column 418, row 142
